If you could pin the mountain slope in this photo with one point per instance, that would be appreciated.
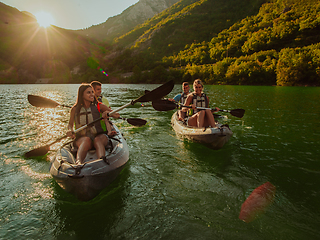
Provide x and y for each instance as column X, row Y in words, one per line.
column 184, row 23
column 229, row 42
column 127, row 20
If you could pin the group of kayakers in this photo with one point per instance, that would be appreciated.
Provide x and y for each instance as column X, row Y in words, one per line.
column 90, row 105
column 197, row 99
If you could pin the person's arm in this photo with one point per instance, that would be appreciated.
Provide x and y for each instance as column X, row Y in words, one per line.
column 177, row 97
column 70, row 132
column 105, row 110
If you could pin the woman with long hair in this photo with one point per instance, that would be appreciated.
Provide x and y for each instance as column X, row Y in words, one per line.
column 84, row 111
column 199, row 118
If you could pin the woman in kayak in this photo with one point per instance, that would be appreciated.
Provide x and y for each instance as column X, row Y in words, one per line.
column 83, row 112
column 199, row 118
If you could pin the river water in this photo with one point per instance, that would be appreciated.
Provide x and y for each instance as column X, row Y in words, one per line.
column 170, row 188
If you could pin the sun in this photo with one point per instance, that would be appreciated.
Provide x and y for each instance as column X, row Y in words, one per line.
column 44, row 19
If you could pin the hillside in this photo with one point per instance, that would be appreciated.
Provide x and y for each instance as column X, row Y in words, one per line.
column 29, row 52
column 253, row 42
column 278, row 45
column 127, row 20
column 187, row 22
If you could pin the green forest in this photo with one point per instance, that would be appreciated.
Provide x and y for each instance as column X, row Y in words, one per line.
column 234, row 42
column 280, row 45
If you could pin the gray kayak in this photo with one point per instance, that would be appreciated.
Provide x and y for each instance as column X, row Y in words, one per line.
column 214, row 138
column 87, row 180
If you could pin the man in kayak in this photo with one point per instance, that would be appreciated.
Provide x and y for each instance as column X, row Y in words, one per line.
column 181, row 98
column 199, row 118
column 84, row 111
column 97, row 92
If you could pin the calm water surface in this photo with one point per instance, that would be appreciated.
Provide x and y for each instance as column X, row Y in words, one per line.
column 170, row 188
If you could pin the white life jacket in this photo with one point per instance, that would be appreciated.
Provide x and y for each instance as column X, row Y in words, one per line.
column 85, row 116
column 199, row 101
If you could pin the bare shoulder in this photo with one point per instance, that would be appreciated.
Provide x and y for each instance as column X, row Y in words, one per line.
column 189, row 99
column 190, row 95
column 73, row 109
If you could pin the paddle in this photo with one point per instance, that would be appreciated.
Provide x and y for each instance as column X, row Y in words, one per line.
column 167, row 105
column 44, row 149
column 153, row 95
column 150, row 96
column 135, row 121
column 39, row 101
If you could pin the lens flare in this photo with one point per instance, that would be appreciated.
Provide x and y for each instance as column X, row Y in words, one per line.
column 101, row 70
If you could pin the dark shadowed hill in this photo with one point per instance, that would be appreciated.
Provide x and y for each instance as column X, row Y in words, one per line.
column 29, row 52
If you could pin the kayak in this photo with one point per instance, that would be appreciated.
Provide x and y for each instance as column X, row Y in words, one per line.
column 214, row 138
column 87, row 180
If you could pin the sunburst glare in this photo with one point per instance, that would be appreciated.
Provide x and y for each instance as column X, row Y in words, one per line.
column 44, row 19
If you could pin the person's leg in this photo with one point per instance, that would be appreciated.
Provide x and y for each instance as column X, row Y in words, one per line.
column 193, row 120
column 84, row 144
column 100, row 142
column 181, row 115
column 210, row 118
column 201, row 116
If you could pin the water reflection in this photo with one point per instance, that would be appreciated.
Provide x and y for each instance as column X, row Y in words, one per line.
column 96, row 219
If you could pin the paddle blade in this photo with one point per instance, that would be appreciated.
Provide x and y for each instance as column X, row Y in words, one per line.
column 136, row 122
column 237, row 112
column 163, row 105
column 257, row 202
column 157, row 93
column 37, row 152
column 39, row 101
column 42, row 150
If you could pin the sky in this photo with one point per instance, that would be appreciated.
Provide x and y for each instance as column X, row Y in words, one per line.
column 73, row 14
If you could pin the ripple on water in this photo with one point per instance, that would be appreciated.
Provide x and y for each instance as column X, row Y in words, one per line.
column 171, row 188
